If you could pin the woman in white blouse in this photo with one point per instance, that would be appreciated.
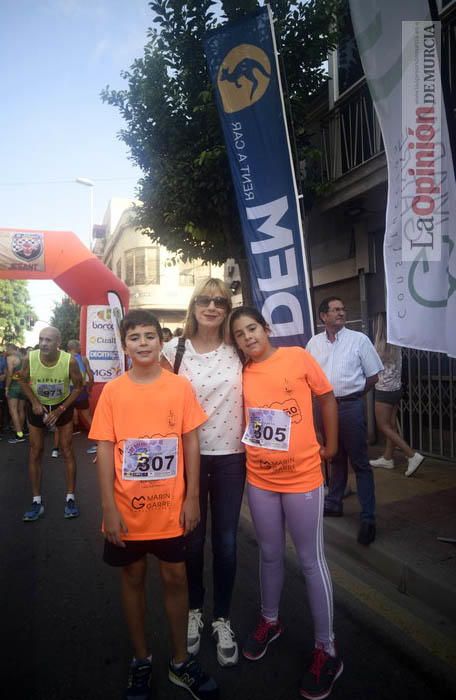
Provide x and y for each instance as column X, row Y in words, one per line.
column 388, row 391
column 214, row 369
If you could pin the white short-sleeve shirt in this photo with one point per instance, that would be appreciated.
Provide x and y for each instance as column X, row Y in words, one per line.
column 347, row 362
column 216, row 377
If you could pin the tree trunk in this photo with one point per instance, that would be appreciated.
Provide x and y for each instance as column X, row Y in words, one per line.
column 245, row 282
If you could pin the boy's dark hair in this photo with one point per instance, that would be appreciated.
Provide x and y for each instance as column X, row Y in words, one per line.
column 324, row 305
column 139, row 317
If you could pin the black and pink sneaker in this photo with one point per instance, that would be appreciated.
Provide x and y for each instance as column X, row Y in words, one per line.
column 257, row 642
column 321, row 675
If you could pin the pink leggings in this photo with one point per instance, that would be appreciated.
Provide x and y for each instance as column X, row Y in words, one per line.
column 303, row 514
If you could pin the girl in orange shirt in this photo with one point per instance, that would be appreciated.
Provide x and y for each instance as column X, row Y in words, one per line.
column 285, row 484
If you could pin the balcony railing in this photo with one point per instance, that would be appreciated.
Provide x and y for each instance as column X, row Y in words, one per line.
column 351, row 135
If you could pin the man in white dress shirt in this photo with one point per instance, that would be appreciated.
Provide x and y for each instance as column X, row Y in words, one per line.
column 351, row 364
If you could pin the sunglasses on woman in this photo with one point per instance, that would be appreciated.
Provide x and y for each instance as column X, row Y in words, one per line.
column 204, row 301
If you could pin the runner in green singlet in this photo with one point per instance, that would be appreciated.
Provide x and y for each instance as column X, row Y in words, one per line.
column 45, row 380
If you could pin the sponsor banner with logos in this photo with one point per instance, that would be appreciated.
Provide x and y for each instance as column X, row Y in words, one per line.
column 399, row 47
column 101, row 348
column 22, row 250
column 242, row 61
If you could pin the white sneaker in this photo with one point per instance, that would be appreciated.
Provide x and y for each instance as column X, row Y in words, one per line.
column 195, row 624
column 382, row 462
column 413, row 463
column 55, row 453
column 227, row 648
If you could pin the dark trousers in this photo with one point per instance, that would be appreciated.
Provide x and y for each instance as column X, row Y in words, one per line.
column 353, row 446
column 222, row 484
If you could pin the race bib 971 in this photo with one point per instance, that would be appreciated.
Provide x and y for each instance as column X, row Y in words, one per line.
column 268, row 428
column 150, row 459
column 50, row 391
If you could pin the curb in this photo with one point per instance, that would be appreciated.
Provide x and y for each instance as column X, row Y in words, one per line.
column 404, row 575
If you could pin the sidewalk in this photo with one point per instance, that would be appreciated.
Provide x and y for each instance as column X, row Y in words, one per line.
column 411, row 514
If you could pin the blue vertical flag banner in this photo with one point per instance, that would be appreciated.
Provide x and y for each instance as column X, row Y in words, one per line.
column 242, row 61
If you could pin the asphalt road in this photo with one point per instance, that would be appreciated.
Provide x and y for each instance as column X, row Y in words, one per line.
column 62, row 627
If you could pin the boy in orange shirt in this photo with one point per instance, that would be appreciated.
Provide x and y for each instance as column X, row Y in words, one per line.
column 148, row 468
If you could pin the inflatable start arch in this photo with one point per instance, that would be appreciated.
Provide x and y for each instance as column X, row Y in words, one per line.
column 60, row 256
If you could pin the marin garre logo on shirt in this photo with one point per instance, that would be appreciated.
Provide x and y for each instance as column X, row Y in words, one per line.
column 285, row 464
column 138, row 502
column 151, row 502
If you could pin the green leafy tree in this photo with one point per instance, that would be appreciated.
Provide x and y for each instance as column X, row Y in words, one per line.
column 172, row 127
column 65, row 317
column 16, row 313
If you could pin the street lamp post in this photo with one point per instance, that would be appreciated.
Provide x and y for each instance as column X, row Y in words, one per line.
column 90, row 184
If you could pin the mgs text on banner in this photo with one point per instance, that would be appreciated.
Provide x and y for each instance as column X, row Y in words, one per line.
column 242, row 61
column 399, row 48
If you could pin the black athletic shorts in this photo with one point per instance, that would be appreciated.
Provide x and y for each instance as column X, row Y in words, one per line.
column 82, row 405
column 37, row 421
column 172, row 550
column 393, row 398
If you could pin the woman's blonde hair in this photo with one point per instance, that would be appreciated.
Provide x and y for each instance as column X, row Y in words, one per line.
column 211, row 286
column 386, row 351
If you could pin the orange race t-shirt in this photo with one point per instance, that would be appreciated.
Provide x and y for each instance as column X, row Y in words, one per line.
column 282, row 448
column 146, row 423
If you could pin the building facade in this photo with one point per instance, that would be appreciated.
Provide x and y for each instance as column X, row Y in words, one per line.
column 157, row 280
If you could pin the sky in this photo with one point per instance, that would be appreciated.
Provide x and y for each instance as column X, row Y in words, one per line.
column 56, row 57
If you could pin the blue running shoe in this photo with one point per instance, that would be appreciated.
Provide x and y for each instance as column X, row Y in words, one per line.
column 16, row 439
column 192, row 677
column 71, row 509
column 139, row 676
column 35, row 512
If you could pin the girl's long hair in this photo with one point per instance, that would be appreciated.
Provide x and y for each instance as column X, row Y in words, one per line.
column 387, row 352
column 254, row 314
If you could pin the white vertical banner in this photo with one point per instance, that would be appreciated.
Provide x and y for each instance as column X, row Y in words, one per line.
column 117, row 314
column 399, row 47
column 101, row 347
